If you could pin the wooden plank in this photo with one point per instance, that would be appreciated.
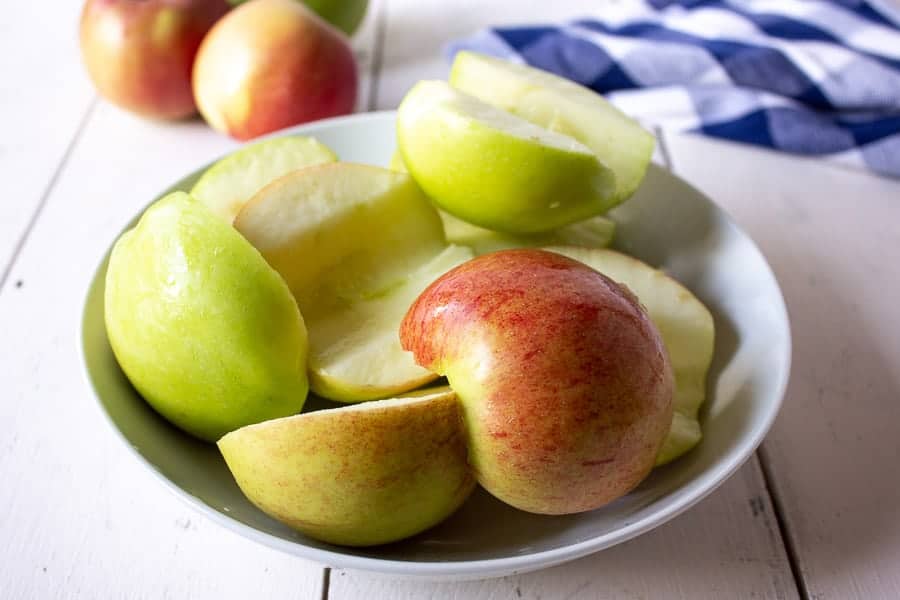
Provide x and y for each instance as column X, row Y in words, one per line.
column 79, row 515
column 44, row 95
column 833, row 239
column 728, row 546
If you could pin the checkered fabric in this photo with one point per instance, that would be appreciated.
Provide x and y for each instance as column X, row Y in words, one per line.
column 808, row 77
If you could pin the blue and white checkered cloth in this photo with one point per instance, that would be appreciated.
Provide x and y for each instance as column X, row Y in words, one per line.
column 815, row 78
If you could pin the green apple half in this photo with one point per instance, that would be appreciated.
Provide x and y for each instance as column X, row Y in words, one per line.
column 227, row 185
column 564, row 106
column 356, row 245
column 687, row 330
column 358, row 475
column 206, row 331
column 493, row 169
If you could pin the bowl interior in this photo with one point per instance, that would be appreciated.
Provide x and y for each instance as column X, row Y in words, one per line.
column 667, row 224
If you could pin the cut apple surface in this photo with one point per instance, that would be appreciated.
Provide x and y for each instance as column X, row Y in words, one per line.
column 227, row 185
column 496, row 170
column 356, row 245
column 206, row 331
column 360, row 475
column 687, row 330
column 594, row 232
column 564, row 106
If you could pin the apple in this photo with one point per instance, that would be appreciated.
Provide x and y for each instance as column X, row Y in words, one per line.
column 356, row 245
column 227, row 185
column 359, row 475
column 206, row 331
column 269, row 64
column 139, row 54
column 594, row 232
column 496, row 170
column 346, row 15
column 687, row 330
column 561, row 105
column 565, row 383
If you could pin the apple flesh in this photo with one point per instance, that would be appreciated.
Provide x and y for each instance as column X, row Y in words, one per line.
column 361, row 475
column 139, row 54
column 356, row 245
column 495, row 170
column 565, row 383
column 206, row 331
column 687, row 330
column 560, row 105
column 227, row 185
column 269, row 64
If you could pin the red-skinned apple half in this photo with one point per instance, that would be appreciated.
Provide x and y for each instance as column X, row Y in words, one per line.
column 139, row 53
column 270, row 64
column 565, row 383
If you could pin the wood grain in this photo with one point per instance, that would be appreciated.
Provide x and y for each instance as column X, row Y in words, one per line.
column 832, row 237
column 44, row 97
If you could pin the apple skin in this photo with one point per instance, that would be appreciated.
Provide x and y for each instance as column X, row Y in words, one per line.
column 346, row 15
column 205, row 330
column 359, row 476
column 565, row 383
column 139, row 54
column 270, row 64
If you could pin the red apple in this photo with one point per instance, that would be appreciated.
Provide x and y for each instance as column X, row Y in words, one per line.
column 270, row 64
column 139, row 53
column 565, row 383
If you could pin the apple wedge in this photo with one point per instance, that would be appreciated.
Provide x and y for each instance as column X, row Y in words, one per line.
column 356, row 245
column 233, row 180
column 594, row 232
column 687, row 329
column 206, row 331
column 560, row 105
column 493, row 169
column 359, row 475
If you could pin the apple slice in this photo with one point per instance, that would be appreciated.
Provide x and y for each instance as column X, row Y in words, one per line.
column 206, row 331
column 359, row 475
column 594, row 232
column 687, row 330
column 560, row 105
column 356, row 245
column 496, row 170
column 230, row 182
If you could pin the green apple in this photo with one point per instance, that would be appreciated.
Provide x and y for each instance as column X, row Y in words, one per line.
column 687, row 330
column 359, row 475
column 356, row 245
column 346, row 15
column 594, row 232
column 496, row 170
column 206, row 331
column 564, row 106
column 564, row 380
column 227, row 185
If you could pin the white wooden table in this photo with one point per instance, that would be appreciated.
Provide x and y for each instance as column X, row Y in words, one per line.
column 815, row 514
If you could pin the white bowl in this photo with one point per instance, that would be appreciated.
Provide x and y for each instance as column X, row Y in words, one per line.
column 668, row 224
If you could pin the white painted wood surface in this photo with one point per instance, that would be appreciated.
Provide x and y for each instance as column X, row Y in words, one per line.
column 833, row 239
column 80, row 518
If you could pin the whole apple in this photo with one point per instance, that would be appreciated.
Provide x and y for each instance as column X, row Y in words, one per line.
column 346, row 15
column 139, row 53
column 270, row 64
column 565, row 383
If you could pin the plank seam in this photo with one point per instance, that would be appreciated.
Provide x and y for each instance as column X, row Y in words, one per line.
column 42, row 202
column 377, row 52
column 326, row 582
column 663, row 148
column 784, row 531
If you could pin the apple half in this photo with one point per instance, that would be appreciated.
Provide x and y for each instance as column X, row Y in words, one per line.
column 560, row 105
column 227, row 185
column 359, row 475
column 204, row 329
column 356, row 245
column 687, row 330
column 493, row 169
